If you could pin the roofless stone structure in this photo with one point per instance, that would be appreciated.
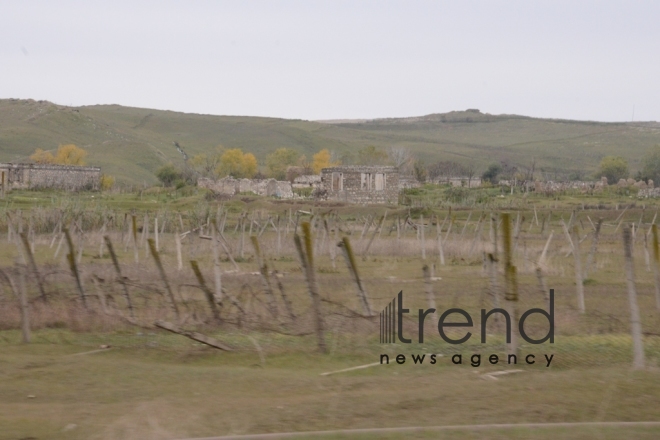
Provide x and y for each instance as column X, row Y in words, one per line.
column 361, row 184
column 66, row 177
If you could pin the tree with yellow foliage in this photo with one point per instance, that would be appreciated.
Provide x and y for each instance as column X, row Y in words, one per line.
column 322, row 159
column 66, row 155
column 237, row 164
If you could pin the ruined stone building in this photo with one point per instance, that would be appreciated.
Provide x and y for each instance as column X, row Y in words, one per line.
column 361, row 184
column 37, row 176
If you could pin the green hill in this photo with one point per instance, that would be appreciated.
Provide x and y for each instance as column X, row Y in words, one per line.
column 131, row 143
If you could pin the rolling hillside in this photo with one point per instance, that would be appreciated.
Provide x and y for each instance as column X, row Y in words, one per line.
column 130, row 143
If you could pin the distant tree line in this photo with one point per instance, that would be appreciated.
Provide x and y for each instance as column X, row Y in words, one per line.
column 286, row 163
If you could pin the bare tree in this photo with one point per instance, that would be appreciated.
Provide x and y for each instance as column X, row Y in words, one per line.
column 401, row 157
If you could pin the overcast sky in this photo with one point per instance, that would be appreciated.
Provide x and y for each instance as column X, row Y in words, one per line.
column 592, row 60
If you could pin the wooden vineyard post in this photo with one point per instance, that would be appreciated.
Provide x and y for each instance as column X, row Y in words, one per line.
column 378, row 228
column 115, row 263
column 511, row 284
column 656, row 265
column 635, row 320
column 428, row 286
column 307, row 262
column 441, row 252
column 25, row 311
column 135, row 243
column 594, row 246
column 74, row 267
column 263, row 270
column 33, row 266
column 217, row 270
column 207, row 292
column 578, row 269
column 423, row 243
column 347, row 250
column 177, row 243
column 163, row 276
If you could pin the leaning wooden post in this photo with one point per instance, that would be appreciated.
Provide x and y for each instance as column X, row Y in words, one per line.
column 578, row 269
column 347, row 250
column 307, row 262
column 159, row 264
column 33, row 266
column 263, row 270
column 428, row 286
column 206, row 290
column 656, row 265
column 511, row 292
column 635, row 320
column 120, row 278
column 74, row 267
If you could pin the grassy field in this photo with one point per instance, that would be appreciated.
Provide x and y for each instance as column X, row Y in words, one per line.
column 156, row 385
column 131, row 143
column 197, row 392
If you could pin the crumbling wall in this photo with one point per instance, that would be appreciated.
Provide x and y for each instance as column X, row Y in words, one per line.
column 408, row 182
column 36, row 176
column 307, row 181
column 550, row 187
column 465, row 181
column 263, row 187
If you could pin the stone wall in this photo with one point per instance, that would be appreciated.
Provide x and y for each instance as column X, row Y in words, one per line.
column 35, row 176
column 648, row 192
column 408, row 182
column 230, row 186
column 361, row 184
column 550, row 187
column 467, row 182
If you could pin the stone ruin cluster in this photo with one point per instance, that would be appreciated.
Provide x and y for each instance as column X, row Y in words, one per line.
column 625, row 183
column 551, row 187
column 264, row 187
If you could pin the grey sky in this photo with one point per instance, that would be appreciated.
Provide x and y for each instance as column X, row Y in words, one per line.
column 338, row 59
